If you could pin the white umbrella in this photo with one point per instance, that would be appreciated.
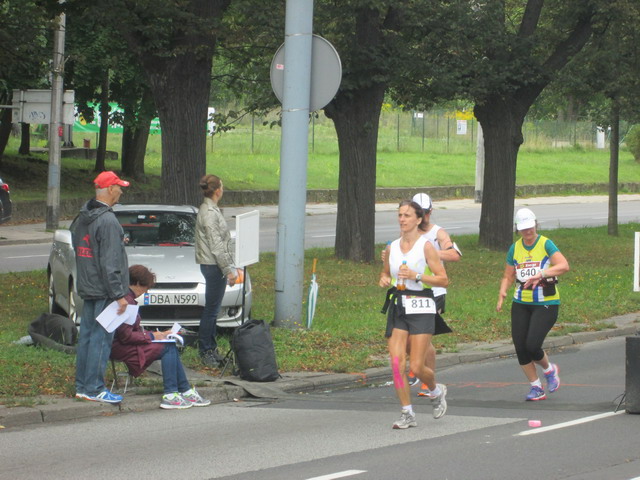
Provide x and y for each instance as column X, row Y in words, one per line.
column 313, row 295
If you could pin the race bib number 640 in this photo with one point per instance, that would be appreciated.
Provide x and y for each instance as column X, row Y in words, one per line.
column 526, row 270
column 413, row 305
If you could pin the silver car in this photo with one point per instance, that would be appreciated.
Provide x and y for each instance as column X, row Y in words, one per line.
column 160, row 237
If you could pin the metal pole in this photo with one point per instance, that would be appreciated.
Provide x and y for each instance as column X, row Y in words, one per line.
column 253, row 130
column 423, row 120
column 55, row 125
column 313, row 132
column 479, row 166
column 294, row 152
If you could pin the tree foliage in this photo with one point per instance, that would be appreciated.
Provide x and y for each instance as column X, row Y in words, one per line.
column 173, row 41
column 520, row 48
column 25, row 32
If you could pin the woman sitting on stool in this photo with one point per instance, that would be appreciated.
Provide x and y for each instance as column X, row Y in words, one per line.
column 134, row 346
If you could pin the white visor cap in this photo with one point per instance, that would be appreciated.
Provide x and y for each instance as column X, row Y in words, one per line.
column 525, row 218
column 423, row 200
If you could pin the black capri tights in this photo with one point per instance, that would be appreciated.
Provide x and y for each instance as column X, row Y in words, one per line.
column 530, row 324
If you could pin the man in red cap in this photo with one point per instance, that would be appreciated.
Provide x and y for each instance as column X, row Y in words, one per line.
column 102, row 278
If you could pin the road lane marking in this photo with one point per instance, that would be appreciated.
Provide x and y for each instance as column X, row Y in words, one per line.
column 27, row 256
column 569, row 424
column 346, row 473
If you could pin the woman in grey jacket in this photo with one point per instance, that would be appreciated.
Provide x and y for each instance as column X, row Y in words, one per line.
column 216, row 264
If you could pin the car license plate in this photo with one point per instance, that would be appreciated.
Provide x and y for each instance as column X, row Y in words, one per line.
column 170, row 298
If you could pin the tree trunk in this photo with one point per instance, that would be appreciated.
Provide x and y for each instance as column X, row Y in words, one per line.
column 137, row 125
column 5, row 130
column 502, row 129
column 181, row 93
column 614, row 149
column 101, row 150
column 356, row 116
column 181, row 84
column 134, row 146
column 25, row 139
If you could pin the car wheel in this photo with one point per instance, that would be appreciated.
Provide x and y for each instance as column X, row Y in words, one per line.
column 73, row 309
column 53, row 306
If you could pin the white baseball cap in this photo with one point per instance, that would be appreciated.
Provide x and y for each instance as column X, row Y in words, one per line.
column 424, row 201
column 525, row 218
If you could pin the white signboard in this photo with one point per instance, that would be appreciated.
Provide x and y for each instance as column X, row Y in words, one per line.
column 34, row 106
column 462, row 127
column 636, row 264
column 600, row 138
column 247, row 239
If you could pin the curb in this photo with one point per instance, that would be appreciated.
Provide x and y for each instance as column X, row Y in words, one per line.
column 57, row 409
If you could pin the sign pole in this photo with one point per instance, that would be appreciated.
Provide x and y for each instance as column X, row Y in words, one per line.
column 55, row 125
column 294, row 151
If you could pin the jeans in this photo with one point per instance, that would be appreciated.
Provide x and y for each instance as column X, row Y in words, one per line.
column 93, row 350
column 173, row 376
column 216, row 283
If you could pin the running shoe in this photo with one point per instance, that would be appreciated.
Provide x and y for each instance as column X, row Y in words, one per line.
column 536, row 393
column 406, row 420
column 194, row 397
column 413, row 380
column 105, row 397
column 425, row 392
column 440, row 402
column 82, row 396
column 173, row 401
column 553, row 378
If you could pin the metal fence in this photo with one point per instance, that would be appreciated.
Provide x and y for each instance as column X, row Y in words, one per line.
column 429, row 132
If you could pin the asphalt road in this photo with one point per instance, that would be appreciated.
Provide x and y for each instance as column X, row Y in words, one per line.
column 320, row 228
column 347, row 434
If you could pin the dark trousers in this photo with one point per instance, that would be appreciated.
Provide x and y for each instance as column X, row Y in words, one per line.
column 530, row 325
column 216, row 283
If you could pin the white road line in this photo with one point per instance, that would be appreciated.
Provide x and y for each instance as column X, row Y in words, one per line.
column 331, row 476
column 323, row 236
column 27, row 256
column 558, row 426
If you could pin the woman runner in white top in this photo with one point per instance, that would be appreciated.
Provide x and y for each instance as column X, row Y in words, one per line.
column 413, row 316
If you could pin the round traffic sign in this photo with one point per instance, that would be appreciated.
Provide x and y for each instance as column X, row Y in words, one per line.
column 326, row 73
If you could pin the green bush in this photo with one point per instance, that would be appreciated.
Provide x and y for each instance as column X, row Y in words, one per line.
column 633, row 142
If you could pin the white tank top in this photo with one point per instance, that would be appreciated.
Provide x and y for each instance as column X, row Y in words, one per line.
column 414, row 258
column 432, row 238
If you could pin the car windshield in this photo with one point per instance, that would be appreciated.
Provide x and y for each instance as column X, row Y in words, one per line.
column 166, row 229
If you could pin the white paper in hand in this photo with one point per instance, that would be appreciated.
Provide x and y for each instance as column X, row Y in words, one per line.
column 110, row 320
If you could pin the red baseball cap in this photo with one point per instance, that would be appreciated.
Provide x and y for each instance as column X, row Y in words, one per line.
column 106, row 179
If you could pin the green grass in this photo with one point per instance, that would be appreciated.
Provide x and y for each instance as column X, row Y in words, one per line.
column 251, row 161
column 347, row 334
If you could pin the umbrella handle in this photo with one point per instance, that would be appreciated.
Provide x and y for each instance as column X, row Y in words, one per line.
column 313, row 269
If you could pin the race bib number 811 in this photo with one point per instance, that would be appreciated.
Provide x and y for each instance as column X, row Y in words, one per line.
column 413, row 305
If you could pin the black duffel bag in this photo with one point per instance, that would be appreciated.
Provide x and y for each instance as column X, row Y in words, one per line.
column 253, row 348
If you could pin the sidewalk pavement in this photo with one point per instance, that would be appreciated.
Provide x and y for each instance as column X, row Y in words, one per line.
column 50, row 409
column 21, row 234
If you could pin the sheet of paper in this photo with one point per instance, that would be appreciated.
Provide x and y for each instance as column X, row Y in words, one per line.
column 110, row 320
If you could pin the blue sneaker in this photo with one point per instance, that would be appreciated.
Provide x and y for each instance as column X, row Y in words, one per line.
column 553, row 378
column 105, row 397
column 536, row 393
